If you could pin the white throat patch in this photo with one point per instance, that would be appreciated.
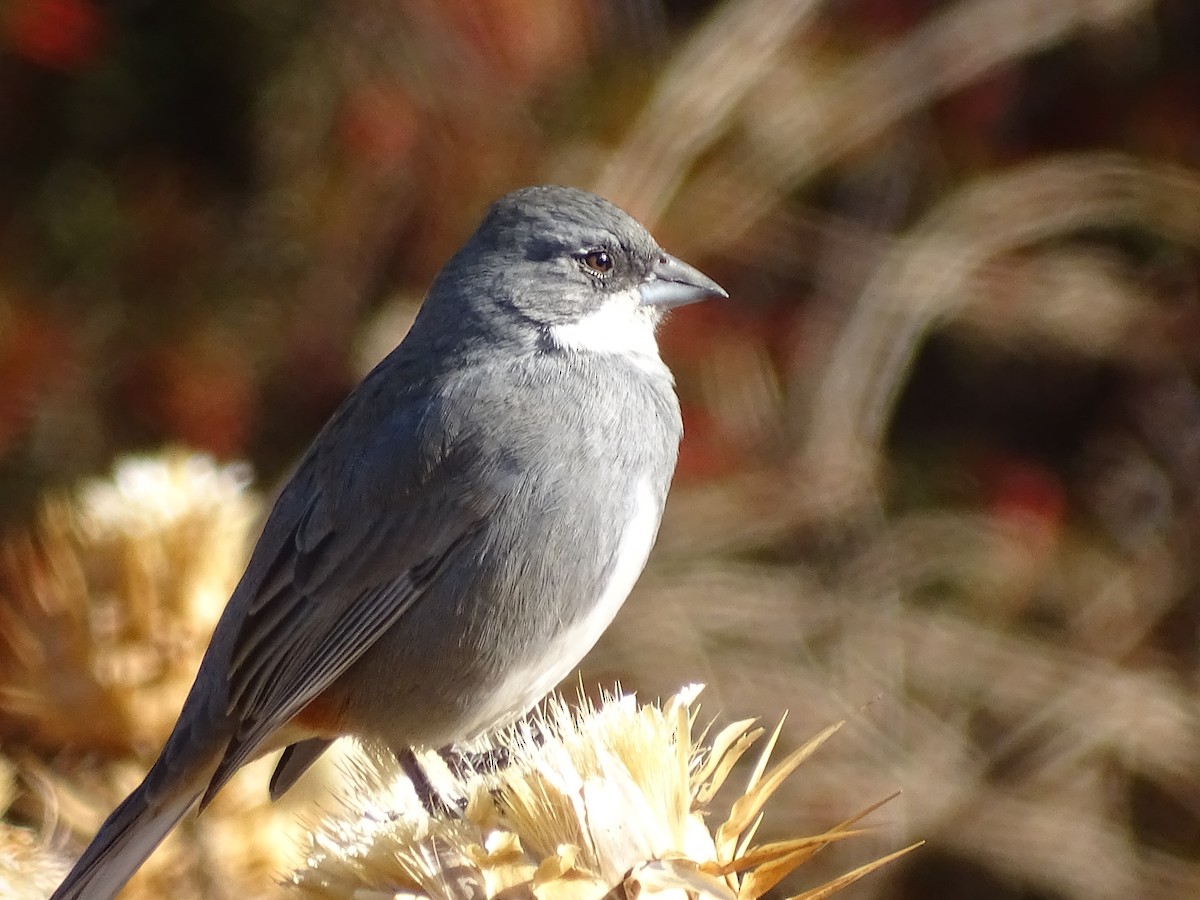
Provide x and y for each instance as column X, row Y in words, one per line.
column 620, row 327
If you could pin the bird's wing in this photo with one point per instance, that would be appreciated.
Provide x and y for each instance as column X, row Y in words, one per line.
column 293, row 672
column 351, row 545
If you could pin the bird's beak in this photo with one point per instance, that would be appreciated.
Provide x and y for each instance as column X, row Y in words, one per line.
column 673, row 282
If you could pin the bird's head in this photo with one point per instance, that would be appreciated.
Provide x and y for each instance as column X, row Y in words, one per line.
column 569, row 270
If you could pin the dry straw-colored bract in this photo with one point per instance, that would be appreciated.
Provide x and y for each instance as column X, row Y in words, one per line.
column 602, row 801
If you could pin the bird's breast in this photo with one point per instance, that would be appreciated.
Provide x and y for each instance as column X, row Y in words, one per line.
column 579, row 622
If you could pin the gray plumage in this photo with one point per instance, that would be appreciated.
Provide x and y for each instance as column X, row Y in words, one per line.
column 462, row 512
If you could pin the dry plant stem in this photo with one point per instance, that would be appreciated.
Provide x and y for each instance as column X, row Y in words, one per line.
column 822, row 120
column 738, row 514
column 696, row 98
column 826, row 119
column 949, row 797
column 1103, row 694
column 922, row 282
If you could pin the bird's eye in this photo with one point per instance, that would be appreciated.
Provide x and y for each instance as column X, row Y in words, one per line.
column 599, row 261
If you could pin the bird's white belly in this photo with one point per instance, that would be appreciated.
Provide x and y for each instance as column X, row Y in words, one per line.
column 523, row 686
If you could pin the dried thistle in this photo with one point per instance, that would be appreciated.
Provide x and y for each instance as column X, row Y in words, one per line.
column 115, row 590
column 106, row 606
column 605, row 801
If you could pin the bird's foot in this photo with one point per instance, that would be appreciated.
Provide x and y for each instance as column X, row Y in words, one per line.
column 462, row 764
column 431, row 798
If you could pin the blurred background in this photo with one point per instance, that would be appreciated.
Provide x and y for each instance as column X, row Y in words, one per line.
column 943, row 442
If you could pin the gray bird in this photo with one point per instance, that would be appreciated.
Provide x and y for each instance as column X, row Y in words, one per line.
column 461, row 531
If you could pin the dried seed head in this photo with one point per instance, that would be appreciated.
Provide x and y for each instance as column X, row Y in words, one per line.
column 598, row 801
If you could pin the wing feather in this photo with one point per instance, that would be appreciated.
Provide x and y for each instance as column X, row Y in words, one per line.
column 354, row 539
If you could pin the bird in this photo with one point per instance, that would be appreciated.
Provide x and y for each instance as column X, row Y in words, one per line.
column 460, row 532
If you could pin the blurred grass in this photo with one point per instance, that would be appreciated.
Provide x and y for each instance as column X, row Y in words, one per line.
column 941, row 446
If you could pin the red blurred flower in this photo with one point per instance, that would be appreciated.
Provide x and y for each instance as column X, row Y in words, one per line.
column 197, row 391
column 379, row 124
column 1027, row 497
column 65, row 35
column 523, row 43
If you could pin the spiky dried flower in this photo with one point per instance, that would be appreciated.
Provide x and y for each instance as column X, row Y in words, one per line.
column 607, row 801
column 106, row 606
column 115, row 590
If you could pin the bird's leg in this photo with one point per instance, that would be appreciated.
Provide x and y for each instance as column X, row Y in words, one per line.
column 429, row 796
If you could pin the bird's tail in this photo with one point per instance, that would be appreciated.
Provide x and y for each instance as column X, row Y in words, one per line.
column 124, row 841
